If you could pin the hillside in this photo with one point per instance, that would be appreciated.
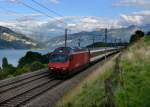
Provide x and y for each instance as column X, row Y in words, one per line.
column 135, row 67
column 123, row 34
column 13, row 40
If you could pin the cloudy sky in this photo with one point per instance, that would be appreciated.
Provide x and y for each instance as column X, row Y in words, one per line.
column 78, row 15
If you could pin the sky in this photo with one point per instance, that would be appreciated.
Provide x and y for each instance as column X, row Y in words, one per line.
column 79, row 15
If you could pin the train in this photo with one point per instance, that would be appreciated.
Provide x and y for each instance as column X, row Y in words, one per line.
column 66, row 60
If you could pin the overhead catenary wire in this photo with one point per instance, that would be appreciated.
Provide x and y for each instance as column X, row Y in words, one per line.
column 39, row 11
column 50, row 10
column 66, row 29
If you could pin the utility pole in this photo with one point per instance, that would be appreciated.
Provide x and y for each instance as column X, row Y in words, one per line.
column 79, row 42
column 66, row 35
column 105, row 42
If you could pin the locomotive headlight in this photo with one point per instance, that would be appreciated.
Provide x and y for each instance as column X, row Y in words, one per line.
column 51, row 68
column 63, row 68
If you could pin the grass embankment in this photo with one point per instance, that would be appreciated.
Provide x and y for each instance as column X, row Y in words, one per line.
column 129, row 86
column 91, row 92
column 135, row 72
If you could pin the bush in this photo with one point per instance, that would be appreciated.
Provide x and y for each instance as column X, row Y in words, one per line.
column 138, row 34
column 3, row 74
column 21, row 70
column 147, row 39
column 36, row 65
column 148, row 34
column 10, row 69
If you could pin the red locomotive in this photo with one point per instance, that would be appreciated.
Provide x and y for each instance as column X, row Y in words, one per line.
column 65, row 60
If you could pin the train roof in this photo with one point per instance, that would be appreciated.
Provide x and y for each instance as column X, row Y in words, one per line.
column 69, row 50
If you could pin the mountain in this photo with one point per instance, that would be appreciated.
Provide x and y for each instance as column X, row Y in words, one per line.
column 13, row 40
column 86, row 38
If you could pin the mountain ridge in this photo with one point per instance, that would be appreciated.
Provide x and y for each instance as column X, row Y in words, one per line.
column 10, row 39
column 86, row 37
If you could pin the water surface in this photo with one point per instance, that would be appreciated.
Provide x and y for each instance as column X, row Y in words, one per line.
column 13, row 56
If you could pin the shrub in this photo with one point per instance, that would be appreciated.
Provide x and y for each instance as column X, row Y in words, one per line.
column 148, row 34
column 138, row 34
column 147, row 39
column 10, row 69
column 3, row 74
column 21, row 70
column 36, row 65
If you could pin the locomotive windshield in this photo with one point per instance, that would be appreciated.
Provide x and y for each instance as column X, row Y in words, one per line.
column 63, row 50
column 59, row 58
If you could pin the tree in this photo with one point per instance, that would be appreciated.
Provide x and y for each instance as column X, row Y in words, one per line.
column 148, row 34
column 138, row 34
column 36, row 65
column 10, row 69
column 4, row 63
column 29, row 58
column 0, row 69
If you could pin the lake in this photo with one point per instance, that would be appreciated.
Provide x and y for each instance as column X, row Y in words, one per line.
column 13, row 56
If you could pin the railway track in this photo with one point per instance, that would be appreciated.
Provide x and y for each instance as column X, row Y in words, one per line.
column 24, row 81
column 17, row 92
column 24, row 92
column 25, row 96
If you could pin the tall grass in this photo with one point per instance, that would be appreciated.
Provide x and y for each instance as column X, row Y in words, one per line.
column 90, row 92
column 135, row 64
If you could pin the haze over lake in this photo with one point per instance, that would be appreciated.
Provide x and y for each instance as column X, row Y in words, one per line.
column 13, row 56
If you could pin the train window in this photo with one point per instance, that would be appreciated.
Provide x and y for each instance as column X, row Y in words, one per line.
column 59, row 58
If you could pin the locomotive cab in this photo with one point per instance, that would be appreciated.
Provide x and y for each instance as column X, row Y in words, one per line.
column 65, row 60
column 59, row 62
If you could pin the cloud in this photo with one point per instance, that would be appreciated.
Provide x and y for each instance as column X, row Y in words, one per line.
column 12, row 1
column 53, row 28
column 55, row 1
column 25, row 27
column 20, row 16
column 89, row 23
column 136, row 18
column 135, row 3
